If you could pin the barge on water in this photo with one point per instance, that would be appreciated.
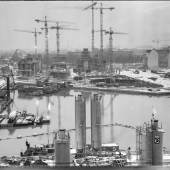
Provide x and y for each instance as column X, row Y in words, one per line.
column 40, row 150
column 35, row 90
column 108, row 155
column 22, row 119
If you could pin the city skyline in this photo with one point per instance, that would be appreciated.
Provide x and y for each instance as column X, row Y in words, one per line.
column 143, row 21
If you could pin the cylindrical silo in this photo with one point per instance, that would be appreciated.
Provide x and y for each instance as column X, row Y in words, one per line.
column 147, row 147
column 80, row 122
column 62, row 148
column 157, row 143
column 96, row 107
column 152, row 144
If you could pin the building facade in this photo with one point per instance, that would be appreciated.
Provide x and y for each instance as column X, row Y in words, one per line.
column 158, row 58
column 84, row 62
column 29, row 65
column 152, row 60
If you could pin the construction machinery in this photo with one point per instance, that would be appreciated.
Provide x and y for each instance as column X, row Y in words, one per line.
column 92, row 31
column 46, row 28
column 45, row 21
column 110, row 32
column 59, row 27
column 101, row 8
column 35, row 33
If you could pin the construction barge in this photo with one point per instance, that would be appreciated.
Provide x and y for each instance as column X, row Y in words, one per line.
column 22, row 119
column 40, row 90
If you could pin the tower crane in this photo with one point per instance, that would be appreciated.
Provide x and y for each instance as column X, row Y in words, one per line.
column 111, row 32
column 45, row 21
column 92, row 31
column 101, row 8
column 57, row 28
column 35, row 33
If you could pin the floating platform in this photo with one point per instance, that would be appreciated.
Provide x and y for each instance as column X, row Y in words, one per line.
column 22, row 119
column 15, row 125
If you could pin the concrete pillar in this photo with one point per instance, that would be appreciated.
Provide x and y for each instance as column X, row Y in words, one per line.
column 80, row 122
column 62, row 148
column 96, row 136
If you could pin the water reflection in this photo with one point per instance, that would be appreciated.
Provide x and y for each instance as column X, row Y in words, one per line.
column 126, row 109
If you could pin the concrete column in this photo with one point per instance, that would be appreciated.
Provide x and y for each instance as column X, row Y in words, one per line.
column 80, row 122
column 96, row 131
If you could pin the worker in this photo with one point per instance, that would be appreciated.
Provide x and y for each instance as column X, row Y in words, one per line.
column 129, row 153
column 27, row 144
column 21, row 154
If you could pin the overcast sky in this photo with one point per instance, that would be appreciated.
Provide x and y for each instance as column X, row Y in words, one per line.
column 143, row 21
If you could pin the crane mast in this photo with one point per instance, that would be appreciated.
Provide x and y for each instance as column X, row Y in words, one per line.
column 57, row 39
column 101, row 8
column 35, row 33
column 46, row 40
column 59, row 27
column 92, row 31
column 101, row 30
column 111, row 32
column 45, row 21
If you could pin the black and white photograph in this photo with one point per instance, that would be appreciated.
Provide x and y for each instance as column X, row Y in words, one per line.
column 85, row 84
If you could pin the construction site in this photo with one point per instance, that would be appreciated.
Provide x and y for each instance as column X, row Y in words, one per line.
column 97, row 105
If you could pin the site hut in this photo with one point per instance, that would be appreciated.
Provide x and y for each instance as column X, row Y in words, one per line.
column 62, row 148
column 96, row 113
column 80, row 123
column 152, row 144
column 152, row 60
